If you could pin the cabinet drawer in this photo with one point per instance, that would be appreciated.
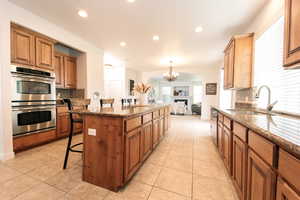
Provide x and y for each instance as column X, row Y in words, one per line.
column 220, row 117
column 227, row 122
column 147, row 118
column 240, row 131
column 155, row 114
column 133, row 123
column 61, row 109
column 289, row 168
column 262, row 147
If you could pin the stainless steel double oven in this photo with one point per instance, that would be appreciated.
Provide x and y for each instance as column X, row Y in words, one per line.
column 33, row 101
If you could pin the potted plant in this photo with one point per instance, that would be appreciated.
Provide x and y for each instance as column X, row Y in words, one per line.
column 142, row 89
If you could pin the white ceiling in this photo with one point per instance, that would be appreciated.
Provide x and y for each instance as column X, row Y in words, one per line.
column 113, row 21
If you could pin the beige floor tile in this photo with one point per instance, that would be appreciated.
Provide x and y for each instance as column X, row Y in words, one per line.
column 88, row 192
column 41, row 191
column 45, row 172
column 157, row 158
column 148, row 173
column 159, row 194
column 209, row 168
column 134, row 190
column 211, row 188
column 179, row 163
column 175, row 181
column 7, row 173
column 16, row 186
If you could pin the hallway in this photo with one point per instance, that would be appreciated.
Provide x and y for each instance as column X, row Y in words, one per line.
column 185, row 166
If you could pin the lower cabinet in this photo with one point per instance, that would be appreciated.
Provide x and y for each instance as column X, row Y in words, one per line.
column 261, row 179
column 155, row 133
column 220, row 139
column 227, row 139
column 239, row 172
column 146, row 140
column 62, row 125
column 285, row 192
column 161, row 128
column 132, row 152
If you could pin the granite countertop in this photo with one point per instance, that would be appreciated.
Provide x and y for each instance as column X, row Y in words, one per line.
column 120, row 111
column 283, row 130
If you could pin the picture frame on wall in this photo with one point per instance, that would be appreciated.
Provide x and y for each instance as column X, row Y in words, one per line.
column 131, row 87
column 211, row 89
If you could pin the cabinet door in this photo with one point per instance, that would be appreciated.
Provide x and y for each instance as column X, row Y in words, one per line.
column 284, row 192
column 44, row 53
column 230, row 73
column 59, row 70
column 70, row 72
column 227, row 149
column 239, row 172
column 161, row 129
column 260, row 179
column 63, row 125
column 132, row 152
column 22, row 47
column 146, row 140
column 155, row 133
column 292, row 33
column 220, row 139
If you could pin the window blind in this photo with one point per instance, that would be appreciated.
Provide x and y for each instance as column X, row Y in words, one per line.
column 269, row 70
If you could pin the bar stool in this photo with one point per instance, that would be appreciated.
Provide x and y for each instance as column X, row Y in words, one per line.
column 107, row 102
column 83, row 103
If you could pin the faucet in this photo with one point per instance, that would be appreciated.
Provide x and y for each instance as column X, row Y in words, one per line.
column 270, row 105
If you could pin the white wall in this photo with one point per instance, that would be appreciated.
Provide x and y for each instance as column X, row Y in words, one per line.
column 94, row 62
column 131, row 74
column 206, row 75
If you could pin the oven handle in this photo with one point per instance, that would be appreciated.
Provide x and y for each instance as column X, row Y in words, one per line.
column 31, row 109
column 34, row 78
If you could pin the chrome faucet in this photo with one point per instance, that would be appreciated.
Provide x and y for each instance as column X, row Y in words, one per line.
column 270, row 106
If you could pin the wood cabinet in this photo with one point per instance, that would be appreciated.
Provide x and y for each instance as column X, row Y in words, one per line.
column 146, row 140
column 161, row 128
column 285, row 192
column 22, row 47
column 261, row 179
column 227, row 139
column 132, row 152
column 70, row 72
column 238, row 61
column 155, row 133
column 44, row 51
column 63, row 125
column 65, row 71
column 220, row 139
column 31, row 48
column 59, row 70
column 292, row 34
column 239, row 172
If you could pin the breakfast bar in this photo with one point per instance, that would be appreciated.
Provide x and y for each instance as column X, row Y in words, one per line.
column 117, row 141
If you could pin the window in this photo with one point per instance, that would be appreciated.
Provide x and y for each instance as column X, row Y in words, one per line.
column 197, row 93
column 225, row 95
column 268, row 70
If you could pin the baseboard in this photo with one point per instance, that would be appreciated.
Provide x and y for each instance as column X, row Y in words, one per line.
column 7, row 156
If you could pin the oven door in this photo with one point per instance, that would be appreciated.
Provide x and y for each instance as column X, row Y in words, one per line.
column 27, row 120
column 32, row 88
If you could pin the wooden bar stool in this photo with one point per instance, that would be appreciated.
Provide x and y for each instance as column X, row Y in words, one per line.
column 104, row 102
column 82, row 104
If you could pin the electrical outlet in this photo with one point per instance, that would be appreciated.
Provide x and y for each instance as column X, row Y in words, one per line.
column 92, row 132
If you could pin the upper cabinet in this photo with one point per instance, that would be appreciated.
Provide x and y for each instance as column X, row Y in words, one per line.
column 65, row 71
column 22, row 47
column 31, row 49
column 238, row 61
column 292, row 34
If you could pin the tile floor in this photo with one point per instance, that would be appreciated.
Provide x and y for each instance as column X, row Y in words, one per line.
column 185, row 166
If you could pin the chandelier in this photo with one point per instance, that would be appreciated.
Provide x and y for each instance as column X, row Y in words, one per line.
column 171, row 75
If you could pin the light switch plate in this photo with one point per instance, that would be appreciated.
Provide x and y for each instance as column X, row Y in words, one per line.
column 92, row 132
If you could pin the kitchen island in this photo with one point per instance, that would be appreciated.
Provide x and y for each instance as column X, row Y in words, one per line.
column 118, row 140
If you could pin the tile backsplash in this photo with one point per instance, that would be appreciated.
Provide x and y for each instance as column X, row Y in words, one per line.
column 69, row 93
column 245, row 97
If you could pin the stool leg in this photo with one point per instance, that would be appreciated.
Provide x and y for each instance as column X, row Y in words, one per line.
column 68, row 146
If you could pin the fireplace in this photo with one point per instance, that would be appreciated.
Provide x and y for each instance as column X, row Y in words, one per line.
column 186, row 101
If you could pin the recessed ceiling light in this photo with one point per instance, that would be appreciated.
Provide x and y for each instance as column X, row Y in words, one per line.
column 123, row 44
column 155, row 37
column 131, row 1
column 199, row 29
column 82, row 13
